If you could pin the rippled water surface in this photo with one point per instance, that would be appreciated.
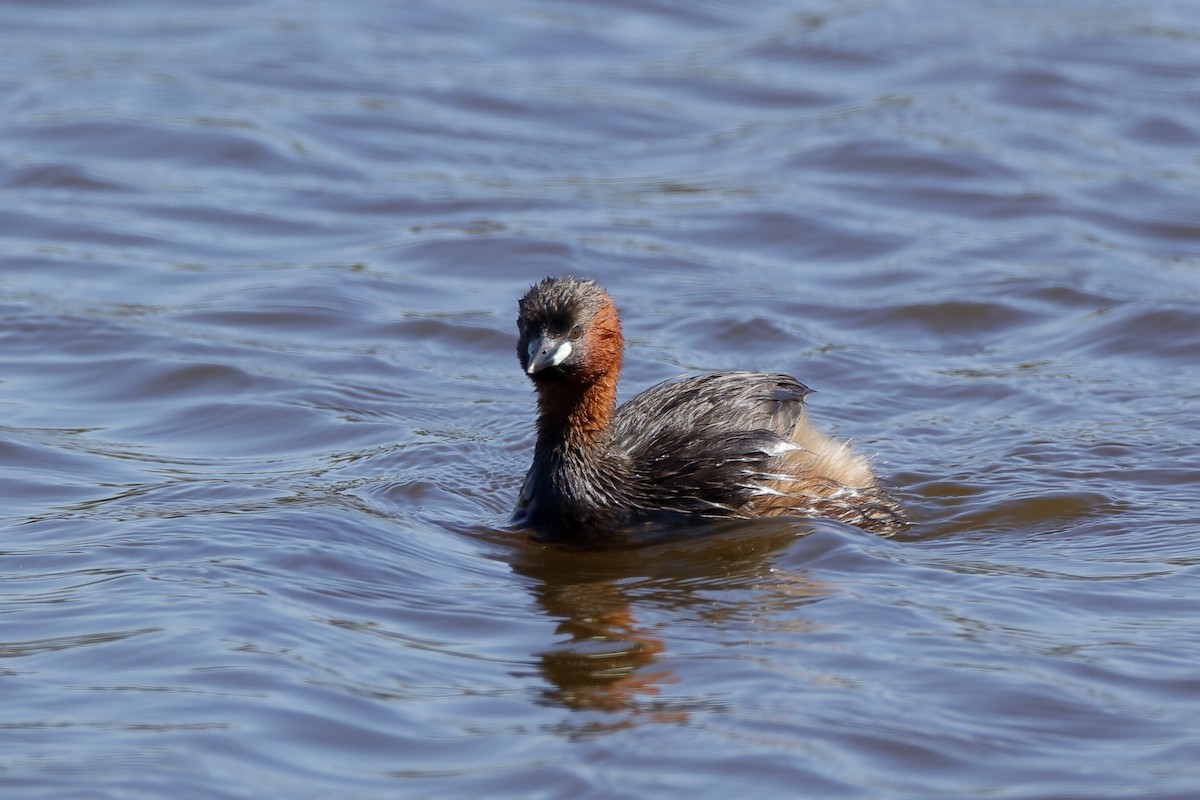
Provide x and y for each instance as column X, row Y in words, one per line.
column 261, row 422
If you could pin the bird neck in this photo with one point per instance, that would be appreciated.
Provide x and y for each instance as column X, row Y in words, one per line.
column 575, row 416
column 577, row 413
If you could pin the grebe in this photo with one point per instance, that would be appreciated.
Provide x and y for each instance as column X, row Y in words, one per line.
column 722, row 445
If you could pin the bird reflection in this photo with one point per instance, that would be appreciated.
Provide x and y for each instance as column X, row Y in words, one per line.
column 609, row 604
column 606, row 662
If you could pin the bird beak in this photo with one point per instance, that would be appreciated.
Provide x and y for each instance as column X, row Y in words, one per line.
column 546, row 352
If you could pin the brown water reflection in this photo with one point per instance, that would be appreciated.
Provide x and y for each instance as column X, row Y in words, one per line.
column 608, row 607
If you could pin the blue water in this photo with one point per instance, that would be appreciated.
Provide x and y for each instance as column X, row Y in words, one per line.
column 262, row 424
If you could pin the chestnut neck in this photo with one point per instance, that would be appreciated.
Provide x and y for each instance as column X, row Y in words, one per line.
column 576, row 414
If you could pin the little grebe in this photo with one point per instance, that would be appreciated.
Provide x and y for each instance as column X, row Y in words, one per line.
column 723, row 445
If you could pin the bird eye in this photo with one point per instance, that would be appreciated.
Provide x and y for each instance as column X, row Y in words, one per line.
column 575, row 333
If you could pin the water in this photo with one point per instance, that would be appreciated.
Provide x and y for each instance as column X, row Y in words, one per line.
column 262, row 421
